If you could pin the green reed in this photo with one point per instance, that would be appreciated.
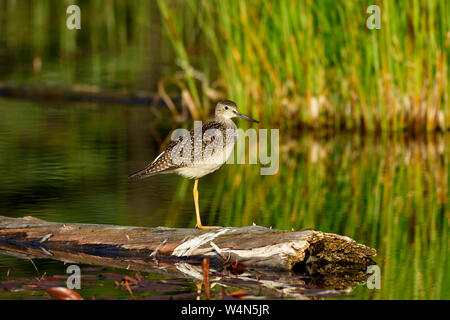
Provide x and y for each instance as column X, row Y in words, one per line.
column 301, row 62
column 316, row 63
column 391, row 194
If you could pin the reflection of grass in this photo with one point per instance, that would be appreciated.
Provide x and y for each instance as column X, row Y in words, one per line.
column 111, row 50
column 391, row 194
column 315, row 62
column 55, row 161
column 68, row 164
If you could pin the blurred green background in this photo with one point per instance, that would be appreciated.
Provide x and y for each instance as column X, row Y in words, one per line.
column 363, row 117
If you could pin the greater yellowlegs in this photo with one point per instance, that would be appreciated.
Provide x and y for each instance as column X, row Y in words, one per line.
column 199, row 152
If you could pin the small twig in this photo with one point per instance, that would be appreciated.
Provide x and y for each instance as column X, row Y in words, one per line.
column 127, row 286
column 32, row 262
column 205, row 269
column 43, row 276
column 220, row 252
column 46, row 237
column 155, row 253
column 165, row 97
column 235, row 267
column 140, row 279
column 46, row 251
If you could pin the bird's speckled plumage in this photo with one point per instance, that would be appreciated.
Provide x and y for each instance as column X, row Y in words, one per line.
column 200, row 151
column 202, row 164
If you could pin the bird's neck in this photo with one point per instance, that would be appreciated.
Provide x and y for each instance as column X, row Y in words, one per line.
column 227, row 122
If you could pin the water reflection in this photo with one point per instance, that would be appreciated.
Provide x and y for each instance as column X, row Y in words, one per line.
column 69, row 163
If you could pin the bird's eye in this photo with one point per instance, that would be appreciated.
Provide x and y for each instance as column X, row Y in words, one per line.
column 226, row 108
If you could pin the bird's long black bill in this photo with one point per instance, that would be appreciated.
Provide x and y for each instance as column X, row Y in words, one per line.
column 243, row 116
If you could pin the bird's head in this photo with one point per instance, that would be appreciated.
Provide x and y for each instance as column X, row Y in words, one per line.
column 228, row 109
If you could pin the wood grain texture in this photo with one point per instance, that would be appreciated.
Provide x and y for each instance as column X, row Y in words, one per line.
column 299, row 264
column 254, row 246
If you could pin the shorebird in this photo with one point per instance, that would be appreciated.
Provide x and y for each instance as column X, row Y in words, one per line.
column 199, row 152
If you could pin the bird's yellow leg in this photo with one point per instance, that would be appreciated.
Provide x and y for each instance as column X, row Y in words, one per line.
column 197, row 210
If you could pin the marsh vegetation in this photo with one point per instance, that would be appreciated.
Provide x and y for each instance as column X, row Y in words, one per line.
column 363, row 118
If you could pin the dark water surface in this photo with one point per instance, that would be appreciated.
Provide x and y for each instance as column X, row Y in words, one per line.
column 69, row 163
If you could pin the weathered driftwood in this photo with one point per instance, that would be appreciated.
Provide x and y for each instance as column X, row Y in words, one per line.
column 254, row 246
column 332, row 262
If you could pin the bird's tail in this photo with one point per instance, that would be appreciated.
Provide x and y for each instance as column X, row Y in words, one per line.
column 149, row 171
column 141, row 174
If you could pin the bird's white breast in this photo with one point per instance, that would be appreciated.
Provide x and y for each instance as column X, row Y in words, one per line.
column 208, row 164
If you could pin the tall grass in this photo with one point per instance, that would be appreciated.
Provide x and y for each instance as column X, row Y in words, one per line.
column 315, row 63
column 288, row 63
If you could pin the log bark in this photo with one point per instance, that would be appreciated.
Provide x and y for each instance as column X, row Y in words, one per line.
column 254, row 246
column 253, row 257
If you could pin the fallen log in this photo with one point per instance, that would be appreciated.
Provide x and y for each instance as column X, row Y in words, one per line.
column 79, row 93
column 331, row 261
column 254, row 246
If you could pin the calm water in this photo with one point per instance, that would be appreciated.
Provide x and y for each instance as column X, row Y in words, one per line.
column 69, row 163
